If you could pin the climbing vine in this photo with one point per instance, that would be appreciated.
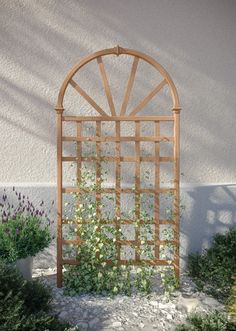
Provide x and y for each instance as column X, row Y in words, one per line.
column 99, row 271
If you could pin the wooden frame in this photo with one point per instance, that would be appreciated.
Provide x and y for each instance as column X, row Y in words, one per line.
column 157, row 159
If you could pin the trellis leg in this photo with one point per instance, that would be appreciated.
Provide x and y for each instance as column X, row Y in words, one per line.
column 98, row 168
column 157, row 197
column 118, row 211
column 137, row 188
column 176, row 112
column 79, row 156
column 59, row 196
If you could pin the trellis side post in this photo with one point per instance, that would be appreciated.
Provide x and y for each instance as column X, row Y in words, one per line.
column 176, row 114
column 59, row 111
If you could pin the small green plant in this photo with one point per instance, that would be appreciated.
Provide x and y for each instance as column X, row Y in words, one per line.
column 98, row 270
column 98, row 231
column 24, row 229
column 22, row 237
column 214, row 321
column 169, row 282
column 25, row 305
column 213, row 270
column 231, row 302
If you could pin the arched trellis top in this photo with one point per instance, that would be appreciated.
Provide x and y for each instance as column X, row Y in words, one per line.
column 118, row 160
column 167, row 80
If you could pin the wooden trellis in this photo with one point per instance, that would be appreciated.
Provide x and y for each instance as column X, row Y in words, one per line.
column 118, row 116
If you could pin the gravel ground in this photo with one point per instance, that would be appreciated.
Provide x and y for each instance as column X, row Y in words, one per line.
column 99, row 313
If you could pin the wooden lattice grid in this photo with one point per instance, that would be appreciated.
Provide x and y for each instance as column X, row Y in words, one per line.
column 118, row 159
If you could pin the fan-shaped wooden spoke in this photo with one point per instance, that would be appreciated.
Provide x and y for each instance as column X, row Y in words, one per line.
column 148, row 97
column 87, row 98
column 106, row 86
column 129, row 86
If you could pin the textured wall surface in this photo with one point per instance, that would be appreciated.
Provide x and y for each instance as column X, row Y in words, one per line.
column 194, row 40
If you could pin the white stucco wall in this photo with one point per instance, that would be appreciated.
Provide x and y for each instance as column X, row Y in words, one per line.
column 194, row 40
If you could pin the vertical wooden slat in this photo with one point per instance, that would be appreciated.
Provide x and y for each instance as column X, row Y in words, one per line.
column 98, row 168
column 59, row 196
column 137, row 187
column 79, row 164
column 79, row 151
column 176, row 112
column 156, row 197
column 118, row 211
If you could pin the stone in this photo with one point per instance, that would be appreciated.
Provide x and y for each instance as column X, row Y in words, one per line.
column 121, row 313
column 63, row 315
column 154, row 303
column 83, row 325
column 134, row 313
column 161, row 305
column 190, row 304
column 116, row 324
column 169, row 316
column 85, row 314
column 209, row 301
column 94, row 322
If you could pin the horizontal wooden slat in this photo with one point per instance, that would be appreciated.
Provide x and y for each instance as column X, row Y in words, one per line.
column 127, row 242
column 121, row 221
column 111, row 138
column 122, row 190
column 121, row 159
column 127, row 262
column 117, row 118
column 69, row 158
column 168, row 222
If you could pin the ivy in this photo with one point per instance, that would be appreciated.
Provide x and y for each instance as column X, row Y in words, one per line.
column 98, row 230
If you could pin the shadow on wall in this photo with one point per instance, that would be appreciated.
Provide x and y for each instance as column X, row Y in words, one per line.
column 44, row 40
column 211, row 209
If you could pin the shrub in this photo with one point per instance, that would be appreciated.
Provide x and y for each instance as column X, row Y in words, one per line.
column 22, row 237
column 24, row 228
column 214, row 321
column 231, row 302
column 25, row 305
column 213, row 270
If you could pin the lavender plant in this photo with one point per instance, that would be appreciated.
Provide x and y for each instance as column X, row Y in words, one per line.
column 24, row 227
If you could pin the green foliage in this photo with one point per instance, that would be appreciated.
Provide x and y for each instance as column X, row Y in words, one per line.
column 231, row 302
column 169, row 282
column 143, row 279
column 214, row 321
column 23, row 236
column 25, row 305
column 213, row 270
column 98, row 270
column 35, row 295
column 24, row 227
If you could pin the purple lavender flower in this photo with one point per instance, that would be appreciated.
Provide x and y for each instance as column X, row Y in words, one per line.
column 22, row 207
